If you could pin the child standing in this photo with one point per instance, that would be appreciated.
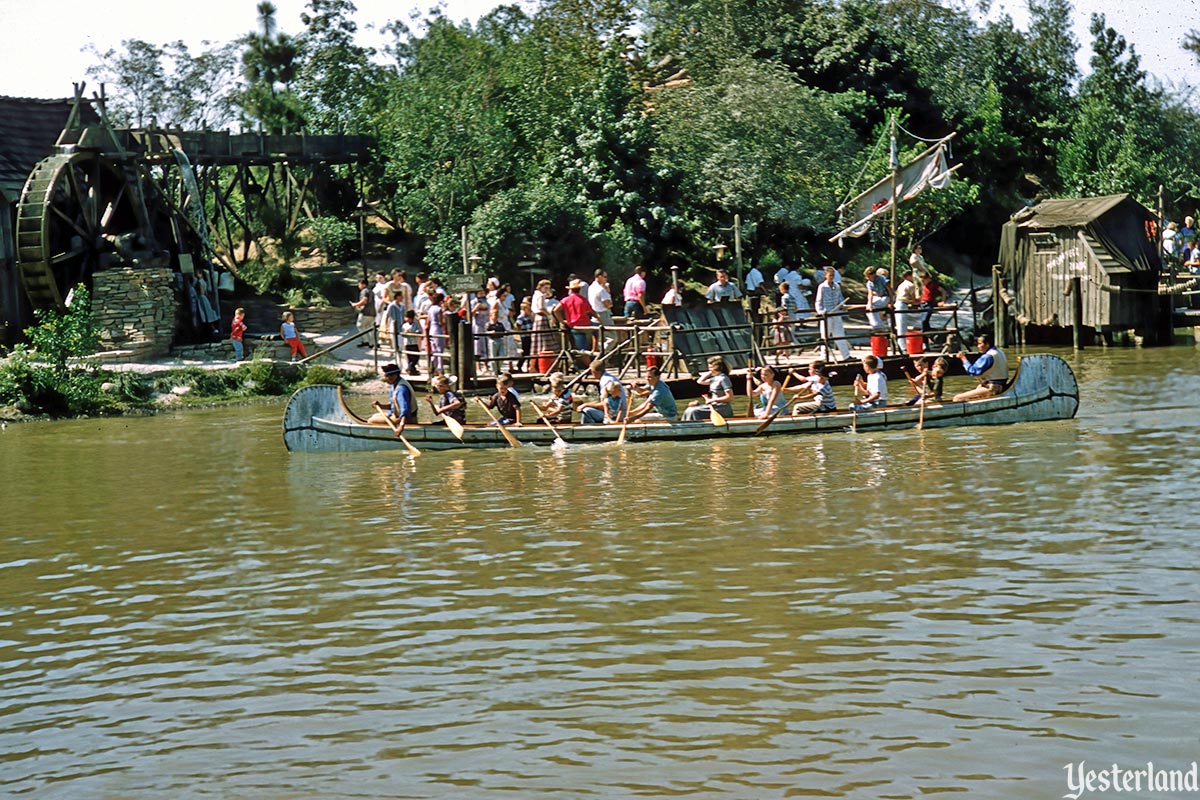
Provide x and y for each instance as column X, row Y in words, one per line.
column 412, row 331
column 236, row 331
column 291, row 335
column 525, row 325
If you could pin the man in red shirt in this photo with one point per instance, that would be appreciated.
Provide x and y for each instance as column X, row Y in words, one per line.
column 577, row 314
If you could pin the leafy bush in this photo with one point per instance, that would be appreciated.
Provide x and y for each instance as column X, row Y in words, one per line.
column 265, row 276
column 337, row 237
column 129, row 387
column 318, row 374
column 62, row 335
column 263, row 378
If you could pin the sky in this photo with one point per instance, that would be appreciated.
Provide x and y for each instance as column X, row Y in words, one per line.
column 42, row 43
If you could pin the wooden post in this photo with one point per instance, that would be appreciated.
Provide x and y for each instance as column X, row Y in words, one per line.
column 451, row 346
column 1077, row 312
column 466, row 357
column 999, row 309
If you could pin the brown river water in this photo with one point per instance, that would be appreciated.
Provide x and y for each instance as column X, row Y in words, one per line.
column 189, row 611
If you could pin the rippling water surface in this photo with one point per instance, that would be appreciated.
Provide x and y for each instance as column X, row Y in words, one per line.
column 188, row 611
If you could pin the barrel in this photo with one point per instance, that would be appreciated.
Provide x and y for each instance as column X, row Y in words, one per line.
column 916, row 343
column 651, row 360
column 879, row 344
column 543, row 362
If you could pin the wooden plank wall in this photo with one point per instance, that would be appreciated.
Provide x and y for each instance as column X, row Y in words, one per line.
column 1043, row 274
column 696, row 338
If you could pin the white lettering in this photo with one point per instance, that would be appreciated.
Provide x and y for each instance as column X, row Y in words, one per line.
column 1081, row 780
column 1074, row 787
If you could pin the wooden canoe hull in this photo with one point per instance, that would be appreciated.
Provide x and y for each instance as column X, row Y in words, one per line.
column 317, row 419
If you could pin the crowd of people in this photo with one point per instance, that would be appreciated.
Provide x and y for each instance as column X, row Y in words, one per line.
column 410, row 321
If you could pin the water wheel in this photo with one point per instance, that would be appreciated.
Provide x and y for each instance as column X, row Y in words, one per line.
column 79, row 212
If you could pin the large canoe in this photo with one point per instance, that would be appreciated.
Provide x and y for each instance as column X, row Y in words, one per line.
column 1044, row 388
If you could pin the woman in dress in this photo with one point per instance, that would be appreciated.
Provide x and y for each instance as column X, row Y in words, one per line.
column 435, row 326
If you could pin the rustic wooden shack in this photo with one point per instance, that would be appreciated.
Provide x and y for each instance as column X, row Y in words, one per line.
column 1107, row 243
column 28, row 130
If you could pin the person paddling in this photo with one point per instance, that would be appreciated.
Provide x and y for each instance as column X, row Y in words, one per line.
column 402, row 409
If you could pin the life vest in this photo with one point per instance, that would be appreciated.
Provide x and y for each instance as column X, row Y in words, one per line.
column 998, row 371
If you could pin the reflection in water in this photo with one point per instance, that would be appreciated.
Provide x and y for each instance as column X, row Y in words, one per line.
column 850, row 615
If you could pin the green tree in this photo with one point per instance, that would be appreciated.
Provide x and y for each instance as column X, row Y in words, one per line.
column 1116, row 142
column 336, row 80
column 755, row 142
column 269, row 64
column 136, row 80
column 604, row 161
column 445, row 140
column 167, row 85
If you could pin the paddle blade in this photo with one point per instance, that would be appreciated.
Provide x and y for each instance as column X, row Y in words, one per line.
column 718, row 419
column 512, row 440
column 411, row 449
column 621, row 437
column 455, row 427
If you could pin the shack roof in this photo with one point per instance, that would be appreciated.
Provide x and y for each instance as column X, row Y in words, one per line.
column 1067, row 212
column 29, row 127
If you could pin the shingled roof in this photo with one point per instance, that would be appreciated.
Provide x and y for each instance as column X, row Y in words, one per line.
column 1067, row 212
column 29, row 127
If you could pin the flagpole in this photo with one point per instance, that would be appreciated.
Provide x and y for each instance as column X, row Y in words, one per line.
column 895, row 165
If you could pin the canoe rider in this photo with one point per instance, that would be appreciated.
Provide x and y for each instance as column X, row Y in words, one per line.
column 874, row 388
column 559, row 407
column 816, row 392
column 990, row 369
column 659, row 404
column 594, row 410
column 451, row 403
column 402, row 409
column 770, row 393
column 505, row 401
column 719, row 396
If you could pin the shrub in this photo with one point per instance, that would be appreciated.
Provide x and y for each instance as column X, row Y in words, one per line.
column 261, row 377
column 318, row 374
column 334, row 236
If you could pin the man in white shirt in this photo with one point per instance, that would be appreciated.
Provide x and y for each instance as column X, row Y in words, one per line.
column 796, row 288
column 908, row 298
column 830, row 306
column 723, row 291
column 600, row 299
column 754, row 281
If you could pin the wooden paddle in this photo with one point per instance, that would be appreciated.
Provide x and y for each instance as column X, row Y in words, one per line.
column 624, row 423
column 512, row 440
column 763, row 425
column 541, row 412
column 920, row 394
column 749, row 388
column 396, row 430
column 454, row 425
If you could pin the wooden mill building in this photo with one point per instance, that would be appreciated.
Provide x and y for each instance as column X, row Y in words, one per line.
column 29, row 129
column 1107, row 243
